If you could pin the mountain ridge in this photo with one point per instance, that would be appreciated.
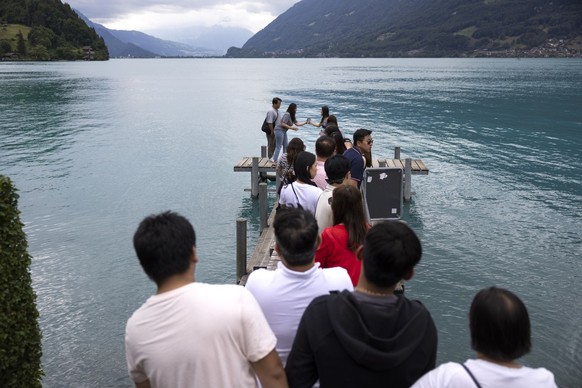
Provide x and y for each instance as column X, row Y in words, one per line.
column 136, row 44
column 420, row 28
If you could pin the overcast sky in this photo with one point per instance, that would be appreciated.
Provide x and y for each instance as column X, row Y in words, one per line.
column 158, row 15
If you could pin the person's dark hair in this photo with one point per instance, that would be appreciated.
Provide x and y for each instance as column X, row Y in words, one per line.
column 296, row 234
column 330, row 129
column 163, row 244
column 340, row 147
column 347, row 208
column 331, row 126
column 391, row 251
column 360, row 134
column 500, row 326
column 336, row 169
column 292, row 109
column 294, row 147
column 276, row 100
column 301, row 166
column 324, row 146
column 324, row 113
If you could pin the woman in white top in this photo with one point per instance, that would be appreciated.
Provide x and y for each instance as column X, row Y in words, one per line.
column 303, row 192
column 500, row 334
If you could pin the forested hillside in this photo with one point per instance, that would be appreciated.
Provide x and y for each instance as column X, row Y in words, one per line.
column 46, row 30
column 421, row 28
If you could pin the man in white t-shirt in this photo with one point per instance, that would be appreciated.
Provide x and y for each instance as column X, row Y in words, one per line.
column 324, row 149
column 193, row 334
column 284, row 294
column 500, row 334
column 337, row 169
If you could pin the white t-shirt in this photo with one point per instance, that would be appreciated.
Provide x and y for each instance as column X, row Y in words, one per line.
column 199, row 335
column 323, row 213
column 307, row 195
column 488, row 374
column 284, row 294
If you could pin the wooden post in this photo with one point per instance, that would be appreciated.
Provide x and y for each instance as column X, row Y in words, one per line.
column 397, row 152
column 255, row 177
column 382, row 163
column 407, row 179
column 263, row 175
column 263, row 206
column 241, row 248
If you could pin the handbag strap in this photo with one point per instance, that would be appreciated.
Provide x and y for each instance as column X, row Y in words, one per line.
column 296, row 197
column 472, row 377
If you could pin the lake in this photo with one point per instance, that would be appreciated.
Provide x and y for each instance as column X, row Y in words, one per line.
column 93, row 147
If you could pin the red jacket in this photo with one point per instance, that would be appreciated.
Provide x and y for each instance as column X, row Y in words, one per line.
column 334, row 252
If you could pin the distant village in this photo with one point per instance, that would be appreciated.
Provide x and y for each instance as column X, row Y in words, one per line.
column 552, row 48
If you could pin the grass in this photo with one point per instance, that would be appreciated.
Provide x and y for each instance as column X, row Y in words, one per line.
column 468, row 32
column 9, row 32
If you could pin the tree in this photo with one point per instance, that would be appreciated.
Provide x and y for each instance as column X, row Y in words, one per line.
column 21, row 44
column 40, row 35
column 68, row 53
column 5, row 47
column 39, row 53
column 20, row 337
column 50, row 20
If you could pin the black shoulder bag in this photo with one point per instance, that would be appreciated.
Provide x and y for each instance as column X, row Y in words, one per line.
column 265, row 127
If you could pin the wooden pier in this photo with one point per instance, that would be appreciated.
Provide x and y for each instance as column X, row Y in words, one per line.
column 259, row 167
column 264, row 255
column 264, row 166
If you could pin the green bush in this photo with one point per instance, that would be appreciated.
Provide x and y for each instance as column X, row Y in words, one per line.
column 20, row 337
column 5, row 47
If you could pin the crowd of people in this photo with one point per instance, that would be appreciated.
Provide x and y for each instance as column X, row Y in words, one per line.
column 329, row 314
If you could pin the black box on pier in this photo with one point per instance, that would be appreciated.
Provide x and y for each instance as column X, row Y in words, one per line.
column 382, row 189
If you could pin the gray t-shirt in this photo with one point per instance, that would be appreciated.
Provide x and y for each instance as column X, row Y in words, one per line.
column 273, row 117
column 286, row 119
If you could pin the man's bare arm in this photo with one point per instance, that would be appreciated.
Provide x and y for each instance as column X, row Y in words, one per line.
column 143, row 384
column 270, row 371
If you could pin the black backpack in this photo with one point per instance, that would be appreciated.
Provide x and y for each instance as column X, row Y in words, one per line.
column 265, row 127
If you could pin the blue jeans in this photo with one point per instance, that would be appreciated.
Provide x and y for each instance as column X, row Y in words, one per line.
column 280, row 142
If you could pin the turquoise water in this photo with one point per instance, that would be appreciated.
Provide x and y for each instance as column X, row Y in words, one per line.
column 94, row 147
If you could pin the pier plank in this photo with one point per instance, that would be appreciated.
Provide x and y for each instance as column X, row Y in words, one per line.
column 245, row 165
column 264, row 255
column 422, row 167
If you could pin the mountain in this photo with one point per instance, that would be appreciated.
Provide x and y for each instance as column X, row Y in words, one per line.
column 117, row 48
column 164, row 48
column 421, row 28
column 217, row 38
column 137, row 44
column 46, row 30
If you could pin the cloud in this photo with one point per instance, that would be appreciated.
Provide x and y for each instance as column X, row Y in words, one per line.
column 150, row 15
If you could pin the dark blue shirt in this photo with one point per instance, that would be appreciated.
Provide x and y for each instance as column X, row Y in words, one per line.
column 357, row 165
